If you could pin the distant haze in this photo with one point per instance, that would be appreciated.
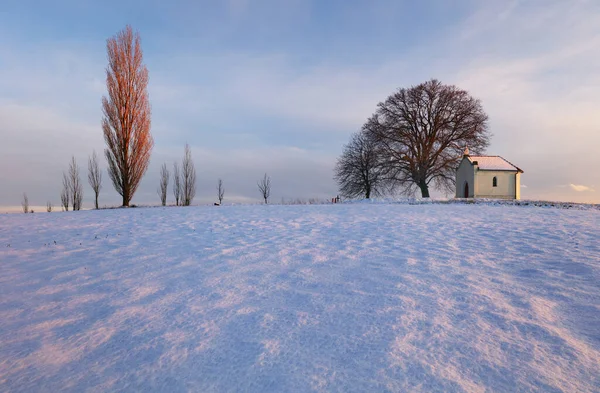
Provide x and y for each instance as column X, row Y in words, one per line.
column 278, row 86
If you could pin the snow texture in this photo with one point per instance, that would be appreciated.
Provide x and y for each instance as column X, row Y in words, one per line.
column 480, row 201
column 493, row 163
column 330, row 298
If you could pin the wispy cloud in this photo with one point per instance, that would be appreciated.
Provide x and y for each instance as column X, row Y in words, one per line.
column 237, row 7
column 581, row 188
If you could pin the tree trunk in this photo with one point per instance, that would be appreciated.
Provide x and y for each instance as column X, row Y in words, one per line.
column 126, row 191
column 368, row 193
column 424, row 189
column 96, row 201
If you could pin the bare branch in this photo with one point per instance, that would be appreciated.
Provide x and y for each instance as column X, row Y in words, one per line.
column 220, row 191
column 74, row 184
column 164, row 184
column 65, row 195
column 25, row 203
column 94, row 177
column 188, row 174
column 176, row 184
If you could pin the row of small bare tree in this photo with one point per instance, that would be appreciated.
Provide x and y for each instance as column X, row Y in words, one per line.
column 72, row 191
column 413, row 141
column 184, row 184
column 71, row 194
column 184, row 180
column 184, row 191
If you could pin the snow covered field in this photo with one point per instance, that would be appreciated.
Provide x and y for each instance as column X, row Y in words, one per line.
column 343, row 298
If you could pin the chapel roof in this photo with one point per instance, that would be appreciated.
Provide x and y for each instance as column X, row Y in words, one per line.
column 493, row 163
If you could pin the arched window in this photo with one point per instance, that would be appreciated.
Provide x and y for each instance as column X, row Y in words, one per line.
column 495, row 182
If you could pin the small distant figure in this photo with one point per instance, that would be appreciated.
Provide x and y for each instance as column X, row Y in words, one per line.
column 217, row 204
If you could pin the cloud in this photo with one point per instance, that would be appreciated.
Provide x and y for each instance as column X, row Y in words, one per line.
column 580, row 188
column 37, row 143
column 237, row 7
column 338, row 98
column 523, row 186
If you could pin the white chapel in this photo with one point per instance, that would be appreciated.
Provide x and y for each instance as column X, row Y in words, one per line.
column 487, row 177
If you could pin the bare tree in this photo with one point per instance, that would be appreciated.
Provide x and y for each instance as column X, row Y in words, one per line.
column 94, row 177
column 188, row 174
column 126, row 122
column 49, row 207
column 358, row 171
column 164, row 184
column 220, row 191
column 25, row 203
column 264, row 186
column 65, row 194
column 423, row 131
column 176, row 184
column 75, row 186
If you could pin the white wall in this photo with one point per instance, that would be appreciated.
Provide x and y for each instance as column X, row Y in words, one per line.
column 505, row 187
column 464, row 174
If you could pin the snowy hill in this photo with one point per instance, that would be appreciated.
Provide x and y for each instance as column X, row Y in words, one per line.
column 345, row 298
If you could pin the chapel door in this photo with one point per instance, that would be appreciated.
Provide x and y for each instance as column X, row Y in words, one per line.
column 466, row 190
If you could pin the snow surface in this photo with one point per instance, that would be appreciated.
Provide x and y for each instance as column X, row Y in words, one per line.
column 493, row 163
column 343, row 298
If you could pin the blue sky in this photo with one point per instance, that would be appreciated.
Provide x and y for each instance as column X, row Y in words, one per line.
column 278, row 86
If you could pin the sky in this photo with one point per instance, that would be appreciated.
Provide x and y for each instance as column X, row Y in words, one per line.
column 278, row 86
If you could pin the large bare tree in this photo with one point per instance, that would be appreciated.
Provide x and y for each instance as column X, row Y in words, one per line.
column 94, row 177
column 220, row 191
column 358, row 171
column 176, row 184
column 164, row 184
column 188, row 176
column 422, row 132
column 74, row 184
column 264, row 187
column 126, row 122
